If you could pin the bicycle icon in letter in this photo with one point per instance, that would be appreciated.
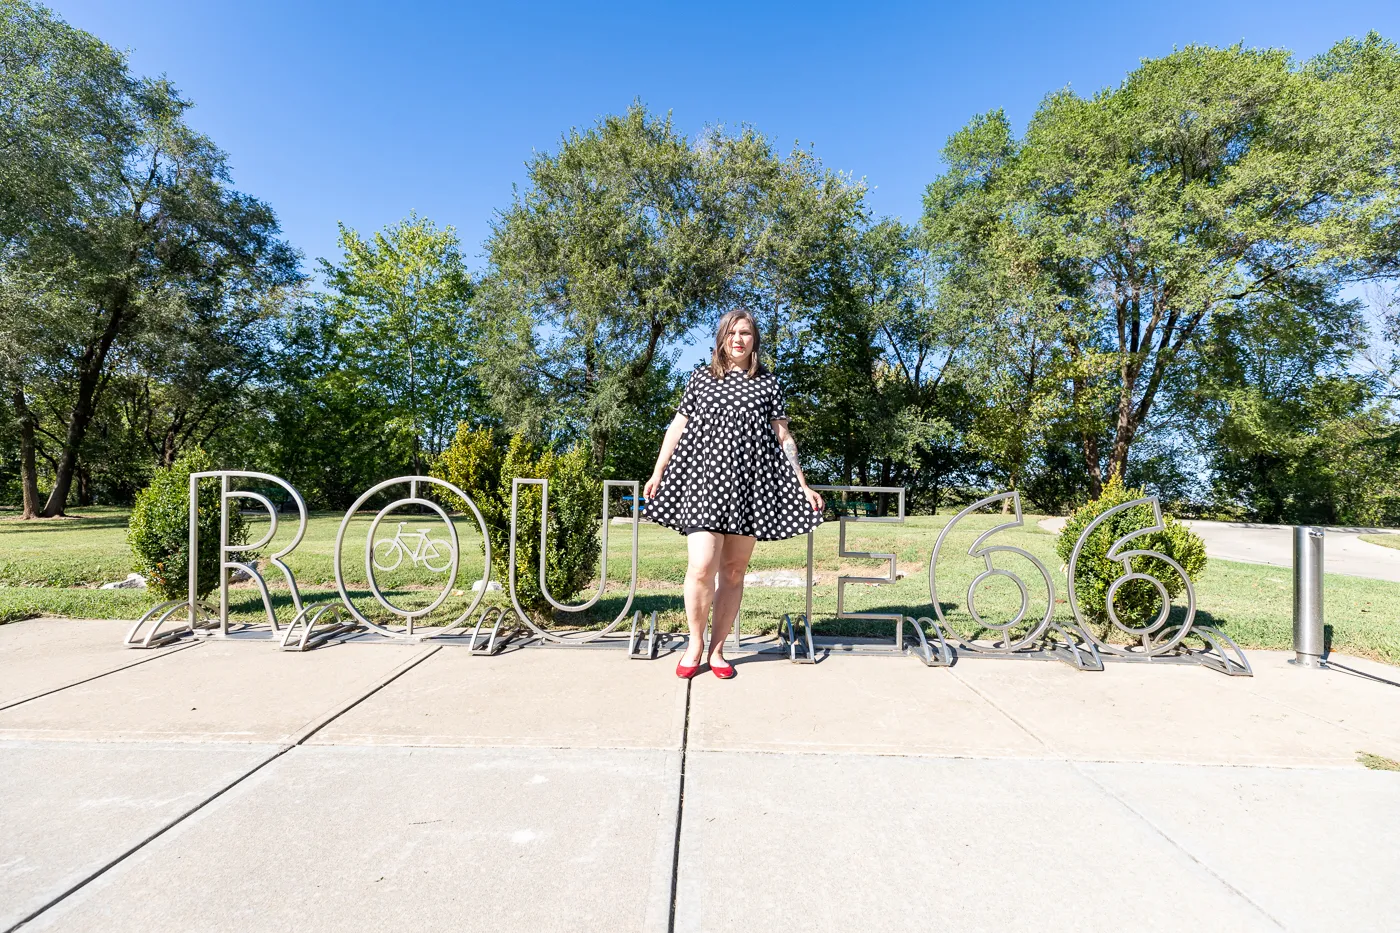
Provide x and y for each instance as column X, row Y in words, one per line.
column 436, row 555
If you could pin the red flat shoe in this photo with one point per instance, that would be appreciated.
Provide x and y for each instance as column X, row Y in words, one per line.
column 723, row 673
column 685, row 672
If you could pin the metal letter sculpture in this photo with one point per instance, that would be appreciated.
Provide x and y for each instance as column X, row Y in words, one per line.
column 639, row 644
column 1158, row 641
column 1072, row 642
column 149, row 631
column 375, row 556
column 805, row 650
column 1073, row 645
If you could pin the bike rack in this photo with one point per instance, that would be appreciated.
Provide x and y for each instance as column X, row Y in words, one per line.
column 412, row 632
column 1158, row 641
column 495, row 641
column 148, row 631
column 935, row 641
column 424, row 543
column 214, row 623
column 331, row 619
column 1046, row 640
column 601, row 638
column 804, row 650
column 643, row 644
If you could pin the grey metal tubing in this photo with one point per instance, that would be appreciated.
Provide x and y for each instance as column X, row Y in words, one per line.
column 642, row 645
column 453, row 547
column 585, row 637
column 1308, row 644
column 1159, row 639
column 413, row 483
column 787, row 638
column 897, row 618
column 976, row 549
column 924, row 651
column 158, row 616
column 480, row 621
column 308, row 619
column 225, row 549
column 1151, row 645
column 494, row 642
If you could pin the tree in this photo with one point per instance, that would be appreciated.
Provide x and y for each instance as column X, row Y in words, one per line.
column 58, row 88
column 1211, row 182
column 1382, row 353
column 330, row 431
column 796, row 222
column 619, row 247
column 130, row 219
column 401, row 303
column 1004, row 316
column 872, row 359
column 1291, row 432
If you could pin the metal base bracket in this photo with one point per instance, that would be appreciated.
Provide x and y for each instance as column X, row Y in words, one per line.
column 795, row 639
column 642, row 646
column 149, row 630
column 1066, row 644
column 803, row 653
column 494, row 641
column 313, row 626
column 1219, row 654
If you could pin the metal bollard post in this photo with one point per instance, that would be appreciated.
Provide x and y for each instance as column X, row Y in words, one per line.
column 1307, row 597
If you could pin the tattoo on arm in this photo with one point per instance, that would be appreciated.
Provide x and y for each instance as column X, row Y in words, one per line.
column 790, row 448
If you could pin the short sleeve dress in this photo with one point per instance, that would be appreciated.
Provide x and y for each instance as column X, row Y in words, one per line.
column 727, row 473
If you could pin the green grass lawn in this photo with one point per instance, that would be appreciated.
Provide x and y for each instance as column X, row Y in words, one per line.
column 54, row 567
column 1382, row 540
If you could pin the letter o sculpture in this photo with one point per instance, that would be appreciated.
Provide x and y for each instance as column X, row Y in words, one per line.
column 410, row 615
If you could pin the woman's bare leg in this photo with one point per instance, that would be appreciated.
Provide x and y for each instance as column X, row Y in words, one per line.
column 733, row 564
column 705, row 548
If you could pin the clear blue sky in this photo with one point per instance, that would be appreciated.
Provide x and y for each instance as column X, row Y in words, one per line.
column 361, row 112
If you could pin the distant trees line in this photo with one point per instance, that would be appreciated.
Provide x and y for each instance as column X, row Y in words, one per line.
column 1187, row 280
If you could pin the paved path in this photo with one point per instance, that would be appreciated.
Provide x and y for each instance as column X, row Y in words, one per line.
column 227, row 786
column 1343, row 551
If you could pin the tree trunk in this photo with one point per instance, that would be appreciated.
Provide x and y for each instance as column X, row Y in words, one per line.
column 84, row 404
column 1006, row 503
column 29, row 472
column 84, row 477
column 1124, row 432
column 1090, row 442
column 167, row 449
column 413, row 411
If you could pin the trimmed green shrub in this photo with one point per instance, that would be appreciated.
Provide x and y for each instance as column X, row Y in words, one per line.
column 159, row 529
column 1136, row 602
column 475, row 463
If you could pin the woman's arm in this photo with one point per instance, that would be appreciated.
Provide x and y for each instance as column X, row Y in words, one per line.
column 668, row 446
column 789, row 446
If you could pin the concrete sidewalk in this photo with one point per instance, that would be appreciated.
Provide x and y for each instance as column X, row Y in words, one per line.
column 229, row 786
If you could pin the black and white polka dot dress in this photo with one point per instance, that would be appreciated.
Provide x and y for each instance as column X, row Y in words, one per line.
column 727, row 473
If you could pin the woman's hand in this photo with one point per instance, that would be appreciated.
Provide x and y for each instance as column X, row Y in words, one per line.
column 649, row 490
column 814, row 498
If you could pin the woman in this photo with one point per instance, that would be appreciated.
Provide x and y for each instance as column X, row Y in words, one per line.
column 727, row 476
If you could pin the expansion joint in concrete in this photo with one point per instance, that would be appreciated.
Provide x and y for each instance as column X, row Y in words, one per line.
column 680, row 811
column 87, row 680
column 297, row 740
column 1077, row 766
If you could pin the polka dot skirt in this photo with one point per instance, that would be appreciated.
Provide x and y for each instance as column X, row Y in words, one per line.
column 727, row 472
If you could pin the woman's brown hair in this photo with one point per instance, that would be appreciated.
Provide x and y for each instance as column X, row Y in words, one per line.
column 719, row 360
